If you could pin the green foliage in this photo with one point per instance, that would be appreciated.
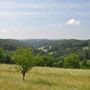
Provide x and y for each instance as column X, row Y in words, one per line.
column 71, row 61
column 38, row 59
column 85, row 48
column 84, row 64
column 88, row 61
column 12, row 45
column 81, row 55
column 51, row 52
column 58, row 48
column 8, row 59
column 55, row 64
column 2, row 57
column 47, row 61
column 25, row 60
column 89, row 51
column 60, row 63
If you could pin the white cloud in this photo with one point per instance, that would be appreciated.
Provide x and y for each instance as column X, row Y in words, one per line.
column 70, row 22
column 73, row 22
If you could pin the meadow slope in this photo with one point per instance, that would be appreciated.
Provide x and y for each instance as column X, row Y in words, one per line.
column 44, row 78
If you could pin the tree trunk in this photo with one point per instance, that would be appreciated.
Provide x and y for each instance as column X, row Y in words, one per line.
column 23, row 76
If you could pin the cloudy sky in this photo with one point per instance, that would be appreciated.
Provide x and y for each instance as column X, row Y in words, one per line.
column 45, row 19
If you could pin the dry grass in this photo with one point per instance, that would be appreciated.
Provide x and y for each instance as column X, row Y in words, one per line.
column 44, row 78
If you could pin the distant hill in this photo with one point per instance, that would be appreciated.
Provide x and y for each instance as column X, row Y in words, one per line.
column 46, row 42
column 39, row 42
column 58, row 47
column 55, row 48
column 10, row 44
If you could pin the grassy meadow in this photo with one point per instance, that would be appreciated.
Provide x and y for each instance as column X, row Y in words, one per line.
column 44, row 78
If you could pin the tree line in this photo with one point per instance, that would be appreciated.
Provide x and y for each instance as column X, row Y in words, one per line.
column 75, row 60
column 26, row 60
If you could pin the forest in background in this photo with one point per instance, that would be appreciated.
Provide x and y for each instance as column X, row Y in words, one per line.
column 53, row 53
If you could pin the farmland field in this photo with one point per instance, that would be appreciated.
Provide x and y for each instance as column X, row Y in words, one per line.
column 44, row 78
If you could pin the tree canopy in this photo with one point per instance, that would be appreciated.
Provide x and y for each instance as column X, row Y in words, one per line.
column 71, row 61
column 25, row 60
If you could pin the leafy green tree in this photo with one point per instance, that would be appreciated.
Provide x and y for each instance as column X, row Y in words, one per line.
column 47, row 60
column 38, row 59
column 89, row 51
column 84, row 64
column 71, row 61
column 8, row 59
column 55, row 64
column 25, row 60
column 2, row 59
column 81, row 55
column 60, row 63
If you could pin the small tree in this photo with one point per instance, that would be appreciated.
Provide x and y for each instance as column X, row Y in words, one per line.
column 60, row 63
column 84, row 64
column 71, row 61
column 47, row 60
column 89, row 51
column 25, row 60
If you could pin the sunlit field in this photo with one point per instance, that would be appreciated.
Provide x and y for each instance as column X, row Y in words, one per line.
column 44, row 78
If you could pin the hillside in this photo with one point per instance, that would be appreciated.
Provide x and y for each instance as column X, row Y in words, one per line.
column 58, row 47
column 11, row 44
column 52, row 51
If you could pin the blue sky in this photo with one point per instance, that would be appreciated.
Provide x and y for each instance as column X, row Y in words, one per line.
column 45, row 19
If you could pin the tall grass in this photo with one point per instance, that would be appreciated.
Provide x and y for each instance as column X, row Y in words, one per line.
column 44, row 78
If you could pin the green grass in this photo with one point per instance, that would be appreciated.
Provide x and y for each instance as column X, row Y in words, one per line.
column 44, row 78
column 42, row 48
column 88, row 61
column 51, row 53
column 85, row 48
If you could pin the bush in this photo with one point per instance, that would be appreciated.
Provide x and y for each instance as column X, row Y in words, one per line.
column 2, row 57
column 84, row 64
column 71, row 61
column 60, row 63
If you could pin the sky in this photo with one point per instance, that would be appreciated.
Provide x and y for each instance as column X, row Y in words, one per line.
column 45, row 19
